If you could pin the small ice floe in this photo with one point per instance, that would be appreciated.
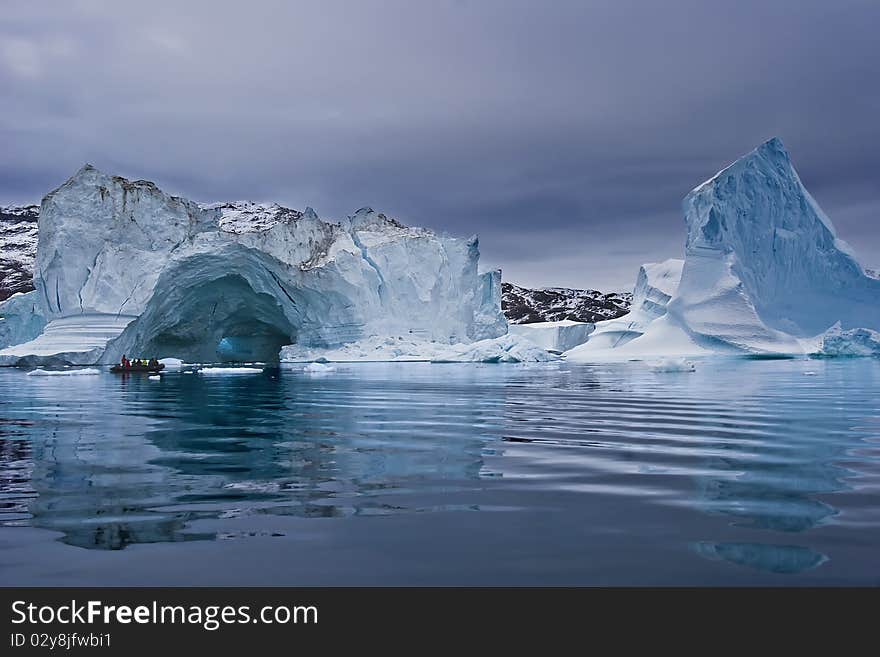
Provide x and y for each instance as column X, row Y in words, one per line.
column 230, row 370
column 319, row 368
column 155, row 378
column 79, row 372
column 672, row 365
column 171, row 363
column 809, row 373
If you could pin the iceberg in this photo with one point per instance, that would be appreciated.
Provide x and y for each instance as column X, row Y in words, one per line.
column 554, row 336
column 764, row 271
column 124, row 268
column 20, row 319
column 855, row 342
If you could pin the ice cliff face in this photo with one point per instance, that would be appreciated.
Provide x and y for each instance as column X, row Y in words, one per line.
column 18, row 246
column 555, row 337
column 764, row 271
column 122, row 267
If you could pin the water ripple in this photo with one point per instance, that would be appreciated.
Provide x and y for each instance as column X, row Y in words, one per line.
column 110, row 462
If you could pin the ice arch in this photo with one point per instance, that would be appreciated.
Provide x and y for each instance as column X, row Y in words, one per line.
column 122, row 267
column 231, row 306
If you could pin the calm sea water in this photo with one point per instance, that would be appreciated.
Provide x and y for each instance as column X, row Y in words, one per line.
column 743, row 472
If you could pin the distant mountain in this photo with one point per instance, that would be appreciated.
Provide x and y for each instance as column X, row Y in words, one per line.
column 551, row 304
column 18, row 246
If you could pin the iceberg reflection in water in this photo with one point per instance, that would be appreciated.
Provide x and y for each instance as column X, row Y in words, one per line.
column 611, row 473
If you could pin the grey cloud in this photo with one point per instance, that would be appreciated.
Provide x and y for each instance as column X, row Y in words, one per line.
column 565, row 133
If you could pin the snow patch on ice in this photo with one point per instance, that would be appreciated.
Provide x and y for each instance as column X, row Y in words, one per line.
column 75, row 372
column 506, row 349
column 656, row 283
column 229, row 370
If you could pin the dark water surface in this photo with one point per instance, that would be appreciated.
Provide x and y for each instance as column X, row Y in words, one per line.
column 743, row 472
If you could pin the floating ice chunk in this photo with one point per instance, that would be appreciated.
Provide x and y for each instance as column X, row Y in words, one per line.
column 673, row 365
column 155, row 377
column 318, row 368
column 171, row 363
column 20, row 319
column 230, row 370
column 506, row 349
column 554, row 336
column 76, row 372
column 855, row 342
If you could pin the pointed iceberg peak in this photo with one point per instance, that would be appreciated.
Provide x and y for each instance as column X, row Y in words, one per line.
column 772, row 145
column 309, row 213
column 755, row 223
column 771, row 154
column 772, row 150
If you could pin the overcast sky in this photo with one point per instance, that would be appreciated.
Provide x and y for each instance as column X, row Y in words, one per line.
column 564, row 133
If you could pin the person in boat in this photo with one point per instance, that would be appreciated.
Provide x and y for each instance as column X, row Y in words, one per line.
column 124, row 362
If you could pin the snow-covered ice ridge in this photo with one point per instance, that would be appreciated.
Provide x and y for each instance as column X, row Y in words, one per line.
column 122, row 267
column 18, row 248
column 553, row 304
column 250, row 217
column 764, row 273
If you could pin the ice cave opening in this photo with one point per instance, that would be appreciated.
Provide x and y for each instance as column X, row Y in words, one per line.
column 223, row 319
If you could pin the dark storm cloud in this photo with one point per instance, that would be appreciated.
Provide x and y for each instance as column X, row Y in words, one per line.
column 564, row 133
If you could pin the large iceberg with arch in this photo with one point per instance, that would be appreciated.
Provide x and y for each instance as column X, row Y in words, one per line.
column 124, row 268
